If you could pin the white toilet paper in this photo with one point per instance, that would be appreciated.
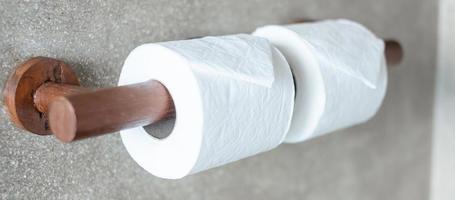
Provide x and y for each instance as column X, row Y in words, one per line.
column 234, row 97
column 340, row 74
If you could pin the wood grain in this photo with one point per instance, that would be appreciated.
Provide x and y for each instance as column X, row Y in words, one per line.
column 21, row 86
column 43, row 96
column 102, row 111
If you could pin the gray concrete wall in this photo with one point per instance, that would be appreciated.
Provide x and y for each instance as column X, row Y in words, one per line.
column 386, row 158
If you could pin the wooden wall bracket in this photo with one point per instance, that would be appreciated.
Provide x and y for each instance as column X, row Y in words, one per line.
column 43, row 96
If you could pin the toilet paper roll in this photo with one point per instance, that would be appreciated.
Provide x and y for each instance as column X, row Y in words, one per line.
column 339, row 70
column 234, row 97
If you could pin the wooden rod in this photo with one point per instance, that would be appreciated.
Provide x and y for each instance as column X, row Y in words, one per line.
column 102, row 111
column 76, row 112
column 48, row 92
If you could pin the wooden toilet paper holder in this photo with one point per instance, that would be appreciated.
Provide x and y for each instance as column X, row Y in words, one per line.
column 43, row 96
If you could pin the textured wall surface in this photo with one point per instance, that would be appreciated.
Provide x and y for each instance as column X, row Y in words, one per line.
column 386, row 158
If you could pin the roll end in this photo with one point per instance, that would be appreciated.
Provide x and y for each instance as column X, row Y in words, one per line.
column 393, row 52
column 62, row 120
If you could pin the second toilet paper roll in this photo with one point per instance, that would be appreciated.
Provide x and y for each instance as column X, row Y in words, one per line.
column 233, row 95
column 339, row 70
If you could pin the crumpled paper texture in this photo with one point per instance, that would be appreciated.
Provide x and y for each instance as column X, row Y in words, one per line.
column 345, row 45
column 243, row 56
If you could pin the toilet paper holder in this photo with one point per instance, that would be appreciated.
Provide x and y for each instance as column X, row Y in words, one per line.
column 43, row 96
